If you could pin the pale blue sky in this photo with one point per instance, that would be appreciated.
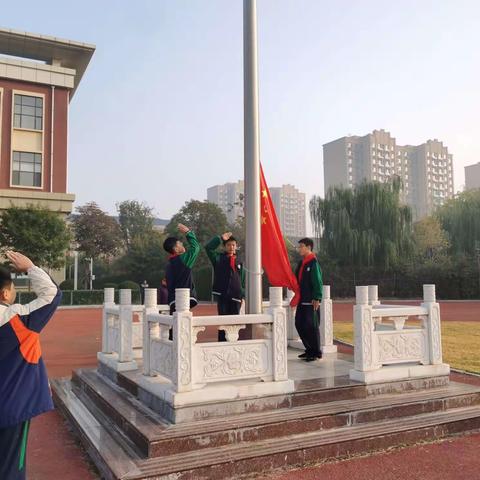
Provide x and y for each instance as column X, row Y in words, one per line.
column 158, row 116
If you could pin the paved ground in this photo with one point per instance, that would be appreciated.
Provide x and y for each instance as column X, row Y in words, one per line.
column 452, row 459
column 72, row 339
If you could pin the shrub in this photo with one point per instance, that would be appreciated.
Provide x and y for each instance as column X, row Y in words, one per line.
column 25, row 297
column 66, row 285
column 87, row 297
column 128, row 284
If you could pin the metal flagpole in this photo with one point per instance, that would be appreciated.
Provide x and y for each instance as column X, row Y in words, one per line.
column 253, row 291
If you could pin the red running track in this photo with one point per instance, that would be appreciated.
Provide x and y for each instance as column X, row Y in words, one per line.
column 72, row 339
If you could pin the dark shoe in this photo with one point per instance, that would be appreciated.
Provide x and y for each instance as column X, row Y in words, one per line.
column 302, row 355
column 310, row 359
column 319, row 356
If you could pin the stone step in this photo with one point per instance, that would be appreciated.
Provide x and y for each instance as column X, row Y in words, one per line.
column 307, row 448
column 311, row 391
column 113, row 457
column 153, row 437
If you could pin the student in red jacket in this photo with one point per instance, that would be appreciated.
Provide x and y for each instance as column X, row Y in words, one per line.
column 24, row 388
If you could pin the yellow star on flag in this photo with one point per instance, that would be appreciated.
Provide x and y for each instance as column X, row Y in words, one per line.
column 264, row 193
column 264, row 220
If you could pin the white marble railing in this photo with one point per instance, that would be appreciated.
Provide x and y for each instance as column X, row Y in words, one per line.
column 383, row 340
column 190, row 364
column 117, row 325
column 326, row 322
column 122, row 328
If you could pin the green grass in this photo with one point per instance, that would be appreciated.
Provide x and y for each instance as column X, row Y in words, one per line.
column 460, row 341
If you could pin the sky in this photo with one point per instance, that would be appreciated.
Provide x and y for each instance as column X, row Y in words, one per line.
column 158, row 116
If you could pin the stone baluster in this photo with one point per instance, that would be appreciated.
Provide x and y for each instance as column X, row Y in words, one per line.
column 373, row 299
column 125, row 351
column 183, row 340
column 434, row 334
column 373, row 295
column 292, row 331
column 150, row 329
column 279, row 345
column 326, row 323
column 108, row 302
column 364, row 353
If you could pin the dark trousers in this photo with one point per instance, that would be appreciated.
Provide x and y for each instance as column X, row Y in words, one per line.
column 13, row 450
column 226, row 307
column 307, row 322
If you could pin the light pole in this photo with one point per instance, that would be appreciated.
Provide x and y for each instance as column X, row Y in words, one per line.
column 75, row 270
column 253, row 261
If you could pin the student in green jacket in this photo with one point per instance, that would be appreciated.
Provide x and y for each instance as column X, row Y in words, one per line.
column 307, row 316
column 229, row 278
column 180, row 263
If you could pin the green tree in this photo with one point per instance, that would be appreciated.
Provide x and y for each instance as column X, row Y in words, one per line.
column 96, row 233
column 363, row 227
column 293, row 255
column 430, row 239
column 136, row 220
column 238, row 230
column 205, row 218
column 460, row 218
column 39, row 233
column 145, row 260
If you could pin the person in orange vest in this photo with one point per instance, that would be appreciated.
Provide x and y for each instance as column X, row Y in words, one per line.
column 24, row 387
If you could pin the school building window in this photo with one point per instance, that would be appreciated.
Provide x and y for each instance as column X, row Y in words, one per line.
column 28, row 112
column 27, row 169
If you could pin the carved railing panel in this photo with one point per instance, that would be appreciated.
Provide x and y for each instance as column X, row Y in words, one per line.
column 220, row 361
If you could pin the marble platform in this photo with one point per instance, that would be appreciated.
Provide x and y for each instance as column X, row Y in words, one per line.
column 320, row 380
column 327, row 416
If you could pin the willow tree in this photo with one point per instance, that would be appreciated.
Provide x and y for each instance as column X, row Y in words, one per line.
column 460, row 218
column 363, row 227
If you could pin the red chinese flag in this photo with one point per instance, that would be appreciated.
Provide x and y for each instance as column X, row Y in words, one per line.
column 274, row 252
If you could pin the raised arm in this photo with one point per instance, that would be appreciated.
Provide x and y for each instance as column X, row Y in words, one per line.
column 193, row 249
column 38, row 312
column 211, row 248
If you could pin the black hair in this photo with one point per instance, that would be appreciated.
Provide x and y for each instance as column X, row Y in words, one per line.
column 231, row 239
column 5, row 278
column 169, row 244
column 308, row 242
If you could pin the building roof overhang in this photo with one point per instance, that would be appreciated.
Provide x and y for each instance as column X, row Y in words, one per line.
column 51, row 50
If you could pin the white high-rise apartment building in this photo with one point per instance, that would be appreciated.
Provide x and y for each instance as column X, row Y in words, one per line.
column 288, row 201
column 290, row 208
column 472, row 176
column 426, row 170
column 229, row 197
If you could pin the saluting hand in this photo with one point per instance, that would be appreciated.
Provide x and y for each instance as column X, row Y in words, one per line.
column 182, row 228
column 20, row 262
column 226, row 236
